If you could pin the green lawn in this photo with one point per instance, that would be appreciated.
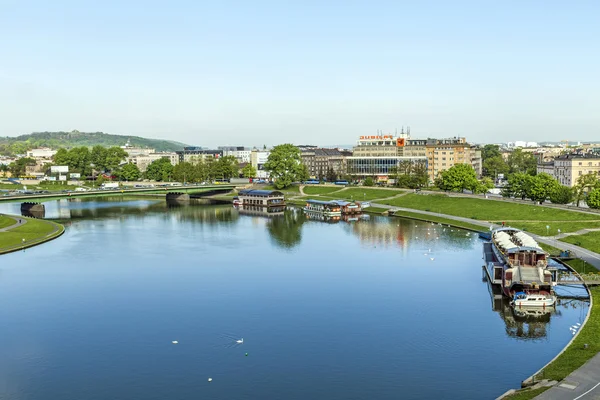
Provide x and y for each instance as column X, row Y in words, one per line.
column 527, row 394
column 6, row 221
column 492, row 210
column 590, row 241
column 34, row 229
column 362, row 194
column 446, row 221
column 540, row 227
column 320, row 189
column 575, row 355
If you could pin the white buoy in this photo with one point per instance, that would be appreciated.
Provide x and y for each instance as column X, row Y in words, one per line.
column 174, row 342
column 210, row 379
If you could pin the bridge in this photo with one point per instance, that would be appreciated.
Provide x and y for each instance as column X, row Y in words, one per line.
column 194, row 191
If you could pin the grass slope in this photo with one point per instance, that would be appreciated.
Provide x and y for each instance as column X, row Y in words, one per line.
column 361, row 194
column 446, row 221
column 34, row 229
column 590, row 241
column 534, row 217
column 320, row 189
column 6, row 221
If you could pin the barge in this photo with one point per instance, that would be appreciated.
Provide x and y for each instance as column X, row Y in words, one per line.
column 519, row 266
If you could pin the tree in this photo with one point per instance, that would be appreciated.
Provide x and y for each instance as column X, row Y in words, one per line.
column 518, row 186
column 226, row 167
column 114, row 157
column 185, row 172
column 129, row 172
column 518, row 161
column 284, row 165
column 562, row 195
column 249, row 171
column 61, row 157
column 585, row 183
column 495, row 165
column 159, row 170
column 331, row 175
column 483, row 185
column 4, row 168
column 593, row 199
column 19, row 167
column 98, row 157
column 368, row 181
column 542, row 186
column 303, row 175
column 457, row 178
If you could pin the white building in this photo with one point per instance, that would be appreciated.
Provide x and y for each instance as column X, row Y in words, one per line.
column 241, row 153
column 143, row 160
column 136, row 151
column 43, row 152
column 258, row 159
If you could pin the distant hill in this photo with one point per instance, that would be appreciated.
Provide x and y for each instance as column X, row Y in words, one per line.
column 55, row 140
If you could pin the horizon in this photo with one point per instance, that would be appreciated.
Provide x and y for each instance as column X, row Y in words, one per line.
column 227, row 73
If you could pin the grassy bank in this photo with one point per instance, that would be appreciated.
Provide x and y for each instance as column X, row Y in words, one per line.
column 445, row 221
column 590, row 241
column 320, row 189
column 527, row 394
column 6, row 221
column 362, row 194
column 34, row 232
column 533, row 218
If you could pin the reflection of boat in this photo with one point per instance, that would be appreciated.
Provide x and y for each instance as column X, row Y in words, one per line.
column 522, row 299
column 317, row 216
column 236, row 201
column 515, row 262
column 327, row 208
column 261, row 211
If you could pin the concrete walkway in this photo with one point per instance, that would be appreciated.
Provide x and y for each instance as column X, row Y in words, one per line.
column 18, row 222
column 584, row 254
column 582, row 384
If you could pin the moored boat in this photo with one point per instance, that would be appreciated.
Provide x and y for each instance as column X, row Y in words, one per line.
column 516, row 263
column 327, row 208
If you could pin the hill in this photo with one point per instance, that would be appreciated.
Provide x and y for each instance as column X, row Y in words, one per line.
column 55, row 140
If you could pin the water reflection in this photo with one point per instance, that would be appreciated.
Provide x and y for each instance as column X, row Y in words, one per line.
column 286, row 230
column 258, row 211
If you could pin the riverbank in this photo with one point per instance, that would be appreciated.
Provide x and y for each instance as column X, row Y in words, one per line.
column 26, row 232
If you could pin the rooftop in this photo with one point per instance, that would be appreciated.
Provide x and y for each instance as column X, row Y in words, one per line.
column 255, row 192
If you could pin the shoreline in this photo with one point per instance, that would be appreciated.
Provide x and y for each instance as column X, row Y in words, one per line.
column 58, row 230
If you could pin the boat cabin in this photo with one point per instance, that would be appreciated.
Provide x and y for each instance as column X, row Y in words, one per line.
column 326, row 207
column 261, row 198
column 348, row 207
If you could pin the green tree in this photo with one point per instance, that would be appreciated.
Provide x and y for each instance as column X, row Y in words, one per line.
column 129, row 172
column 585, row 183
column 331, row 175
column 519, row 161
column 185, row 172
column 226, row 167
column 542, row 186
column 284, row 165
column 4, row 168
column 159, row 170
column 98, row 157
column 114, row 157
column 19, row 167
column 519, row 185
column 19, row 148
column 61, row 157
column 458, row 178
column 562, row 195
column 489, row 151
column 368, row 181
column 249, row 171
column 593, row 199
column 495, row 165
column 79, row 160
column 303, row 174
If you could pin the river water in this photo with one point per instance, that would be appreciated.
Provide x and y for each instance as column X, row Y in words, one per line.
column 380, row 308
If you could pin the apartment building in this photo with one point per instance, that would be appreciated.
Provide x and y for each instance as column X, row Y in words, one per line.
column 143, row 160
column 241, row 153
column 568, row 167
column 320, row 160
column 443, row 154
column 195, row 154
column 258, row 159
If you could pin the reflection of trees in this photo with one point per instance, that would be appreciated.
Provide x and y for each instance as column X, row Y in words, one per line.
column 286, row 230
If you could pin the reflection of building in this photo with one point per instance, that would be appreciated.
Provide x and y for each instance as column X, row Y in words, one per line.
column 259, row 211
column 380, row 232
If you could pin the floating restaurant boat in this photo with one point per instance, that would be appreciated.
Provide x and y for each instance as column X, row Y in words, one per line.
column 327, row 208
column 515, row 262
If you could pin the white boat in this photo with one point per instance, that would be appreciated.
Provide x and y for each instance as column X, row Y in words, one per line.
column 539, row 299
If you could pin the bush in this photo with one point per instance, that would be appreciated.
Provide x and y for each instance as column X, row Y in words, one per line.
column 368, row 182
column 593, row 199
column 562, row 195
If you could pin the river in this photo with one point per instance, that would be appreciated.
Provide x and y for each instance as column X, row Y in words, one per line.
column 380, row 308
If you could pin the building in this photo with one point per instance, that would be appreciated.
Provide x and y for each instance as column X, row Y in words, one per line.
column 567, row 168
column 258, row 159
column 196, row 154
column 378, row 156
column 261, row 198
column 443, row 154
column 135, row 151
column 319, row 161
column 241, row 153
column 43, row 152
column 143, row 160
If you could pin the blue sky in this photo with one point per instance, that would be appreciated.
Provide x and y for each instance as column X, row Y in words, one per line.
column 322, row 72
